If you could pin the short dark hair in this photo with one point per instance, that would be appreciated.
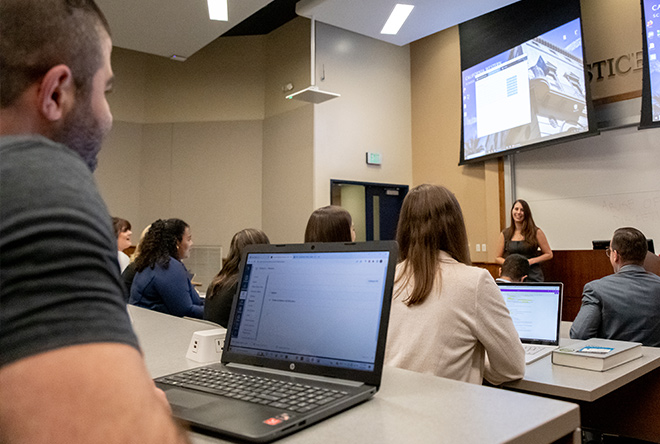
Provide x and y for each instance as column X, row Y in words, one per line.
column 515, row 266
column 329, row 224
column 36, row 35
column 120, row 225
column 630, row 244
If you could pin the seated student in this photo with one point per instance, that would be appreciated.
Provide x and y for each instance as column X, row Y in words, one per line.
column 222, row 289
column 162, row 282
column 123, row 233
column 624, row 305
column 447, row 316
column 129, row 272
column 330, row 224
column 514, row 269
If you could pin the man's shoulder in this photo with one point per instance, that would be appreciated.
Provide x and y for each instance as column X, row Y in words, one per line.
column 623, row 278
column 39, row 159
column 30, row 144
column 39, row 172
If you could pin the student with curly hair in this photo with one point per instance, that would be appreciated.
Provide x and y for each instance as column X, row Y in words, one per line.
column 162, row 282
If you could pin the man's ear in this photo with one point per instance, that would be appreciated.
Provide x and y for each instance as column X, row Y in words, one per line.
column 56, row 93
column 522, row 279
column 500, row 272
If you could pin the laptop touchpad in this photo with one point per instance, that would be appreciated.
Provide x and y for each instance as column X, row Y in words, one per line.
column 187, row 400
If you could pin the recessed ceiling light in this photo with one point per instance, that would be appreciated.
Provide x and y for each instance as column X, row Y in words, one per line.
column 398, row 16
column 218, row 10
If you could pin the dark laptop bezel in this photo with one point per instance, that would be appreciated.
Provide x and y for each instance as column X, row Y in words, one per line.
column 559, row 308
column 367, row 377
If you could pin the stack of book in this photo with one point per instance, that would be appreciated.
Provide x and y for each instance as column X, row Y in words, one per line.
column 597, row 354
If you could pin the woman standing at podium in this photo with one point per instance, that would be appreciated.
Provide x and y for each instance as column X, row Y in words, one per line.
column 448, row 318
column 525, row 238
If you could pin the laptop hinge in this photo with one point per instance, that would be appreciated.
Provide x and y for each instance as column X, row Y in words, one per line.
column 273, row 371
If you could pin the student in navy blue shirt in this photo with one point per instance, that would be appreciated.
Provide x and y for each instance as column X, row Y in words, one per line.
column 162, row 282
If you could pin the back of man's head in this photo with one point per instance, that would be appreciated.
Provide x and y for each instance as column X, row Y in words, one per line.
column 515, row 267
column 36, row 35
column 630, row 244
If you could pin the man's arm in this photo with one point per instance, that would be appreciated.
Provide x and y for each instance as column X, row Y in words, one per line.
column 587, row 322
column 93, row 393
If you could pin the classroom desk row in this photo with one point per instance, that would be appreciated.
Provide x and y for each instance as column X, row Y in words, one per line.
column 624, row 400
column 410, row 407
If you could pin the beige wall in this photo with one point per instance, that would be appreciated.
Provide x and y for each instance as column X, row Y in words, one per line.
column 213, row 141
column 287, row 54
column 187, row 139
column 613, row 42
column 118, row 173
column 372, row 114
column 287, row 197
column 224, row 81
column 436, row 135
column 288, row 135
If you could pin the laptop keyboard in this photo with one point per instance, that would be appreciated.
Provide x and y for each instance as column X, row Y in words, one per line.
column 533, row 349
column 276, row 393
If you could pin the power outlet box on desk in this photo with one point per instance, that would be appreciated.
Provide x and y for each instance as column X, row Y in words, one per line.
column 206, row 345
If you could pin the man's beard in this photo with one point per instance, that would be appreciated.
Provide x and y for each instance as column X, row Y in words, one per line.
column 81, row 132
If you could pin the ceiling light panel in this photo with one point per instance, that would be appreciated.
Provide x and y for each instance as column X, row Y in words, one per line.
column 397, row 18
column 218, row 10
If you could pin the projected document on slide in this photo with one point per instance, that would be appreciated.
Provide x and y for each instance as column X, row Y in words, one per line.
column 502, row 97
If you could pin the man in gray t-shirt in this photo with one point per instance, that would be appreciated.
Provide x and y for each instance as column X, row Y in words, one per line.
column 70, row 367
column 60, row 278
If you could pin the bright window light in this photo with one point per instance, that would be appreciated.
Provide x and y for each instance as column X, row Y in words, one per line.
column 218, row 10
column 398, row 16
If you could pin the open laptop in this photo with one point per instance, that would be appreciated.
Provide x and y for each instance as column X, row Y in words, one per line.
column 535, row 308
column 311, row 317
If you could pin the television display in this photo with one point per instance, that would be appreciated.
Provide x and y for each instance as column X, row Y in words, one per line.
column 524, row 85
column 651, row 65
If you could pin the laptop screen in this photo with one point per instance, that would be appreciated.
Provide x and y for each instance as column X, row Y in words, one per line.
column 318, row 308
column 535, row 308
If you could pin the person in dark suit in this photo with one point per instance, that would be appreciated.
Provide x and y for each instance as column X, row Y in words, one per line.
column 624, row 305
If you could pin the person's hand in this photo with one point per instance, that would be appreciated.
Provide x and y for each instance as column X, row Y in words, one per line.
column 163, row 399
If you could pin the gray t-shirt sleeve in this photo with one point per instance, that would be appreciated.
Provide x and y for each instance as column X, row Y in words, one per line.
column 59, row 276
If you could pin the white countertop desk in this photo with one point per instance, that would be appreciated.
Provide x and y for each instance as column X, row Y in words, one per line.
column 624, row 400
column 410, row 407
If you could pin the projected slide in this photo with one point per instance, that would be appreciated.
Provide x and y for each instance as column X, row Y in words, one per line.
column 531, row 93
column 652, row 15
